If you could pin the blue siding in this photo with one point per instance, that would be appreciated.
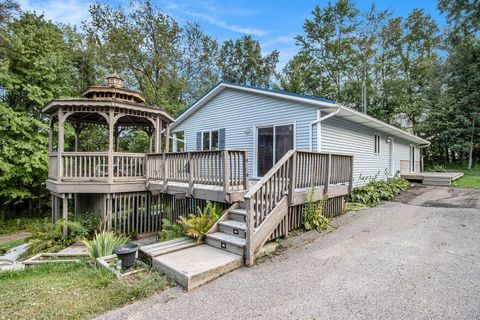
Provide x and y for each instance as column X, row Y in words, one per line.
column 240, row 112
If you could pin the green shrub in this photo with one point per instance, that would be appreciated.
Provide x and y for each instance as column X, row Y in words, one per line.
column 170, row 230
column 103, row 244
column 377, row 191
column 313, row 217
column 48, row 237
column 196, row 226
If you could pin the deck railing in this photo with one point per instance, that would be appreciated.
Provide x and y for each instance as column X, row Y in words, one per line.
column 226, row 168
column 94, row 166
column 268, row 200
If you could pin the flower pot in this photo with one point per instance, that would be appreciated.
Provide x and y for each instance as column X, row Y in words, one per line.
column 126, row 254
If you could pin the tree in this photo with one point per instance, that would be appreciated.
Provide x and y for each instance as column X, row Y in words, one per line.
column 171, row 65
column 462, row 15
column 23, row 159
column 242, row 62
column 35, row 64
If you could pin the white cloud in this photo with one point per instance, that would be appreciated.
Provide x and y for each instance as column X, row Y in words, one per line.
column 225, row 25
column 283, row 40
column 71, row 12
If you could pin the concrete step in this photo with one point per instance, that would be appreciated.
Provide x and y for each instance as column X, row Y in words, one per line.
column 198, row 265
column 146, row 253
column 233, row 227
column 226, row 242
column 238, row 215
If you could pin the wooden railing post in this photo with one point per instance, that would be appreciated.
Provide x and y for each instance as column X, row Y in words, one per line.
column 249, row 249
column 292, row 178
column 329, row 173
column 165, row 170
column 190, row 175
column 350, row 182
column 226, row 181
column 245, row 171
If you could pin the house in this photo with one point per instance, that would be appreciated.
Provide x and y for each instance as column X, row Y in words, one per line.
column 268, row 123
column 260, row 154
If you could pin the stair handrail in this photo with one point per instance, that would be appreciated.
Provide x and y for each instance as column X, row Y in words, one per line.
column 255, row 223
column 269, row 174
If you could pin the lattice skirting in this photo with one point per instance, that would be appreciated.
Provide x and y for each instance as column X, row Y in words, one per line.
column 332, row 208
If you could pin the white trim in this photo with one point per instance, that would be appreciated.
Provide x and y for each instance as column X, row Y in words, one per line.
column 324, row 104
column 255, row 142
column 210, row 139
column 411, row 156
column 391, row 156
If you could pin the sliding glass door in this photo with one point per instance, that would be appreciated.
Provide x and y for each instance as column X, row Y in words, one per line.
column 272, row 144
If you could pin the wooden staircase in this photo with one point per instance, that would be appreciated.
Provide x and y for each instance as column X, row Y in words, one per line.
column 230, row 232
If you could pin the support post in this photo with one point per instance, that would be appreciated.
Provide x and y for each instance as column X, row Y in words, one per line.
column 158, row 135
column 245, row 171
column 226, row 180
column 329, row 172
column 167, row 138
column 50, row 134
column 61, row 135
column 250, row 250
column 65, row 214
column 292, row 178
column 174, row 142
column 111, row 128
column 190, row 175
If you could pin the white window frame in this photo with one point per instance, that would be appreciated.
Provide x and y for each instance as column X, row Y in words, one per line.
column 255, row 141
column 377, row 138
column 210, row 139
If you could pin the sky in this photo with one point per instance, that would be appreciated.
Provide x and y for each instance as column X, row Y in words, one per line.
column 273, row 23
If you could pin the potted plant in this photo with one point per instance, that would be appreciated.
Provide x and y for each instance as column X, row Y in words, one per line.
column 126, row 253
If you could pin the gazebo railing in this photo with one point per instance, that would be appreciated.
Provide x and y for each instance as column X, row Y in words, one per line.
column 77, row 166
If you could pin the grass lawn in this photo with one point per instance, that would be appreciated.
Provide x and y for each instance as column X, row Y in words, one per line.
column 470, row 179
column 71, row 291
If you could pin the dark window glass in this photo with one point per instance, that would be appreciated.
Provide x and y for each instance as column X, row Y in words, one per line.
column 283, row 141
column 206, row 141
column 264, row 150
column 214, row 145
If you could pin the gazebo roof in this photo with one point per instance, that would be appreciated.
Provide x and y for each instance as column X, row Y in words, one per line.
column 100, row 99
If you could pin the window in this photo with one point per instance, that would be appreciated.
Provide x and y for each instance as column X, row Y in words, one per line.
column 377, row 144
column 272, row 144
column 210, row 140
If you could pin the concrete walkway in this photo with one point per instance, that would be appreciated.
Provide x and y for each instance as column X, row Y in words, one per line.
column 413, row 260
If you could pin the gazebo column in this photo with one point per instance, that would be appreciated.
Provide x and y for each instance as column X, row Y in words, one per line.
column 158, row 135
column 51, row 126
column 167, row 138
column 111, row 128
column 174, row 143
column 60, row 147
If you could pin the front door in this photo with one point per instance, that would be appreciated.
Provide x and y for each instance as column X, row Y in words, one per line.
column 272, row 144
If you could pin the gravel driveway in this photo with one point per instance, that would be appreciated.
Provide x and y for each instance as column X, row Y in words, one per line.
column 417, row 258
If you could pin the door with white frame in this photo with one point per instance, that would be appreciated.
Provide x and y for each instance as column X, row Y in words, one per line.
column 272, row 143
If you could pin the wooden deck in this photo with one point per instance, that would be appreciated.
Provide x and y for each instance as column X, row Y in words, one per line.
column 434, row 178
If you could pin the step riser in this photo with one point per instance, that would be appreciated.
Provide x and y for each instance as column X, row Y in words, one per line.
column 236, row 232
column 241, row 205
column 224, row 246
column 238, row 217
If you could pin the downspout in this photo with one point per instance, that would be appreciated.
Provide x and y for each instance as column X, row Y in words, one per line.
column 319, row 119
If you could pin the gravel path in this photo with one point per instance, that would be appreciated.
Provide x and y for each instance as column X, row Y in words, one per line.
column 414, row 259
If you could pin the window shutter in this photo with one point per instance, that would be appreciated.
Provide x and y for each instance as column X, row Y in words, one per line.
column 221, row 139
column 199, row 141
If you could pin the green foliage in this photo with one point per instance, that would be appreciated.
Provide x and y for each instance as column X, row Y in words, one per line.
column 103, row 244
column 196, row 226
column 48, row 237
column 313, row 217
column 377, row 191
column 242, row 62
column 12, row 226
column 4, row 247
column 170, row 230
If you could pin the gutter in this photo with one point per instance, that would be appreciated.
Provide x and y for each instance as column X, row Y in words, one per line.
column 314, row 122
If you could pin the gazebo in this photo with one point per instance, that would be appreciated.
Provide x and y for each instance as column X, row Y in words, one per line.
column 89, row 177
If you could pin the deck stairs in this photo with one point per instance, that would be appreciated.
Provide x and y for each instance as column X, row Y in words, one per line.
column 230, row 233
